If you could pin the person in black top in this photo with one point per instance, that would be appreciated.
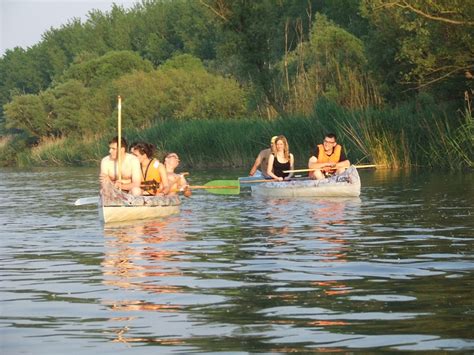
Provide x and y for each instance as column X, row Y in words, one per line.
column 280, row 160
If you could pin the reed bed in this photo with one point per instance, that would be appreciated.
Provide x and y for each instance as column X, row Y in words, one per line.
column 408, row 136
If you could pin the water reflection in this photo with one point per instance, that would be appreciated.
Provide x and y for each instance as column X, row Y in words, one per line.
column 133, row 261
column 135, row 258
column 391, row 271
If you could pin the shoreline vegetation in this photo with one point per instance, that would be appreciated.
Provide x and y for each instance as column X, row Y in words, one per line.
column 369, row 136
column 214, row 79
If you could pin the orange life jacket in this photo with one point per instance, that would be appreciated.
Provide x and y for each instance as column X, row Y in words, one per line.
column 333, row 158
column 152, row 175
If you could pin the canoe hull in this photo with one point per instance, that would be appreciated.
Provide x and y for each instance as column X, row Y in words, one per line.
column 118, row 206
column 344, row 185
column 112, row 214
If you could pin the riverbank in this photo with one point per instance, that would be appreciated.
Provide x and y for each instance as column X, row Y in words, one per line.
column 414, row 134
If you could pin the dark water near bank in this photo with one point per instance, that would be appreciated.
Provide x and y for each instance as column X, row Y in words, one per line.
column 392, row 270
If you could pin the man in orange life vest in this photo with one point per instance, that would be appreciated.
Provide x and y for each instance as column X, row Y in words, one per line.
column 328, row 159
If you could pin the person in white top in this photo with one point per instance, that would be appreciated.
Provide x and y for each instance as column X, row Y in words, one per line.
column 131, row 174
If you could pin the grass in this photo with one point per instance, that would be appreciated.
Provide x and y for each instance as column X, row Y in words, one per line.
column 410, row 135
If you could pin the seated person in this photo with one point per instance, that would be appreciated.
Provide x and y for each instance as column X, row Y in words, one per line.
column 177, row 181
column 260, row 166
column 130, row 178
column 280, row 160
column 153, row 173
column 329, row 159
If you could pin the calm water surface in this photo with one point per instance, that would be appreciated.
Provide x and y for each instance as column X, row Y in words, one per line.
column 392, row 270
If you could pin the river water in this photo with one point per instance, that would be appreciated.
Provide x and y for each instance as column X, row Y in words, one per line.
column 392, row 270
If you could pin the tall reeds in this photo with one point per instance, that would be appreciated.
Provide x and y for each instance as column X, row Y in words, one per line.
column 411, row 135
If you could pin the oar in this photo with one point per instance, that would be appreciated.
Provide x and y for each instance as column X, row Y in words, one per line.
column 357, row 166
column 220, row 187
column 119, row 137
column 87, row 201
column 234, row 186
column 228, row 187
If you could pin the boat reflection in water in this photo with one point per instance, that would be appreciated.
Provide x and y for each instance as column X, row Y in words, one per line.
column 331, row 230
column 134, row 261
column 306, row 249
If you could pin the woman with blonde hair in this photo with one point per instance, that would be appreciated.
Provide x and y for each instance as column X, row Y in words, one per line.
column 280, row 160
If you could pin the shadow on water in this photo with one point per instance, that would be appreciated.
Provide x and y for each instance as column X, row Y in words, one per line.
column 391, row 270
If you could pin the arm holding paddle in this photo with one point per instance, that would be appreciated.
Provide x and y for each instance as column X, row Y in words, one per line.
column 314, row 167
column 134, row 176
column 269, row 171
column 292, row 166
column 165, row 183
column 328, row 159
column 184, row 186
column 177, row 182
column 256, row 164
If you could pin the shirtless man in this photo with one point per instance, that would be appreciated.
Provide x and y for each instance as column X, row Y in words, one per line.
column 131, row 172
column 261, row 162
column 176, row 181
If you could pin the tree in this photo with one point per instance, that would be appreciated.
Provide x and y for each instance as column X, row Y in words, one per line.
column 27, row 113
column 99, row 70
column 181, row 88
column 430, row 43
column 331, row 64
column 258, row 34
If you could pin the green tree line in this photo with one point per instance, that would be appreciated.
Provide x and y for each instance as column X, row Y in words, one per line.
column 191, row 60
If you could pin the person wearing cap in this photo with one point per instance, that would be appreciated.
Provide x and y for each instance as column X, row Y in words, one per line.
column 329, row 159
column 260, row 166
column 177, row 181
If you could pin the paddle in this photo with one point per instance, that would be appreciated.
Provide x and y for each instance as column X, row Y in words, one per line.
column 119, row 137
column 357, row 166
column 87, row 201
column 220, row 187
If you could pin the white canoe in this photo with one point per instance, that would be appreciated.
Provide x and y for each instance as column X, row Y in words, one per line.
column 118, row 206
column 344, row 185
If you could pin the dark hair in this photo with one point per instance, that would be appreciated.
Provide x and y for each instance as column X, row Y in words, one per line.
column 331, row 135
column 123, row 142
column 144, row 148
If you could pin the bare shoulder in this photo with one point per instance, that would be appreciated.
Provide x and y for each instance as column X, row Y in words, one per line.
column 265, row 152
column 106, row 162
column 131, row 157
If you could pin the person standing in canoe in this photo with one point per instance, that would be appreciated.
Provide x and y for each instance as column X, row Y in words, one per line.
column 130, row 168
column 260, row 166
column 177, row 181
column 152, row 171
column 329, row 159
column 280, row 160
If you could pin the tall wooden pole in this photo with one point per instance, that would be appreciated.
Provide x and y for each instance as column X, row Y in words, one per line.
column 119, row 135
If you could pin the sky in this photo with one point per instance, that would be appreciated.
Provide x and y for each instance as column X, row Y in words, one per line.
column 22, row 22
